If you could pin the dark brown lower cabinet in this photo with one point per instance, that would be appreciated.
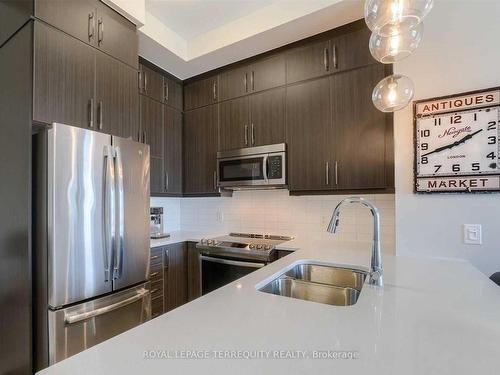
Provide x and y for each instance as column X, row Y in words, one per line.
column 194, row 271
column 156, row 276
column 309, row 135
column 200, row 151
column 175, row 279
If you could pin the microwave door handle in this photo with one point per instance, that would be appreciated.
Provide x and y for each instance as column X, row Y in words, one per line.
column 120, row 225
column 265, row 168
column 108, row 211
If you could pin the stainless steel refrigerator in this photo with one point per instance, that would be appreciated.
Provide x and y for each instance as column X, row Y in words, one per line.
column 92, row 239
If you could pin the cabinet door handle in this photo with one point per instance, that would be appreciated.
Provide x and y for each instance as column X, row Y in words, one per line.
column 144, row 137
column 252, row 138
column 245, row 82
column 166, row 91
column 335, row 60
column 215, row 180
column 139, row 74
column 252, row 80
column 166, row 180
column 91, row 26
column 246, row 135
column 145, row 82
column 336, row 173
column 100, row 109
column 100, row 32
column 327, row 173
column 153, row 275
column 215, row 91
column 325, row 59
column 91, row 113
column 154, row 257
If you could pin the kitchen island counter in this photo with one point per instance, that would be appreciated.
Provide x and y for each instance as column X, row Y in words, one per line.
column 433, row 316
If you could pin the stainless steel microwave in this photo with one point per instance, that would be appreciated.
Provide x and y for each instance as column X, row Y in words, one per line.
column 253, row 167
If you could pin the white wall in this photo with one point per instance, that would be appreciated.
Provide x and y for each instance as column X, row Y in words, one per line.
column 460, row 52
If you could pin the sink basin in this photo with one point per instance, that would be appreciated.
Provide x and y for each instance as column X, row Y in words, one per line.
column 337, row 276
column 323, row 284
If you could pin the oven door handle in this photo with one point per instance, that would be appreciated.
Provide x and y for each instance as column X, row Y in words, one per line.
column 233, row 262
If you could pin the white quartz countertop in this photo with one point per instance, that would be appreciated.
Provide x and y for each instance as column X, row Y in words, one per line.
column 432, row 317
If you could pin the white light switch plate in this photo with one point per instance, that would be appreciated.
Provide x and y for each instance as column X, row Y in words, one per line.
column 473, row 234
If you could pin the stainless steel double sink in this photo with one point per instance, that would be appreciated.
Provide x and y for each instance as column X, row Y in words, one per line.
column 319, row 283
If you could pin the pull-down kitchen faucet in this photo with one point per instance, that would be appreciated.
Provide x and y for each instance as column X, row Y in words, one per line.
column 376, row 271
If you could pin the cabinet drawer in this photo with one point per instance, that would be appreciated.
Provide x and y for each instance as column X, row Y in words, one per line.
column 156, row 288
column 156, row 306
column 155, row 260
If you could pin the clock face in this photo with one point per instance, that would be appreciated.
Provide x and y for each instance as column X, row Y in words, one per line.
column 463, row 143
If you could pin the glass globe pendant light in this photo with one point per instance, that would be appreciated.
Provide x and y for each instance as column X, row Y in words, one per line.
column 393, row 17
column 389, row 49
column 393, row 93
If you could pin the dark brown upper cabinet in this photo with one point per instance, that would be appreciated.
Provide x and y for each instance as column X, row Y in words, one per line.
column 202, row 92
column 309, row 61
column 234, row 124
column 200, row 151
column 267, row 117
column 309, row 135
column 117, row 99
column 254, row 120
column 116, row 35
column 172, row 93
column 261, row 75
column 152, row 126
column 13, row 15
column 78, row 85
column 350, row 51
column 172, row 120
column 359, row 130
column 151, row 83
column 64, row 79
column 93, row 23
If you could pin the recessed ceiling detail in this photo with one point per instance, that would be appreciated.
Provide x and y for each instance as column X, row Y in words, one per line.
column 189, row 37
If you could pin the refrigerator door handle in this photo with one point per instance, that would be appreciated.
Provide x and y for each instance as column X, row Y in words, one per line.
column 108, row 210
column 75, row 318
column 119, row 243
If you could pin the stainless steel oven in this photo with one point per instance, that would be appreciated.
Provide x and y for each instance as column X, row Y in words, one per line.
column 217, row 272
column 253, row 167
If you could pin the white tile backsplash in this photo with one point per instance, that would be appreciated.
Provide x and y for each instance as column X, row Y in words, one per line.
column 171, row 212
column 277, row 212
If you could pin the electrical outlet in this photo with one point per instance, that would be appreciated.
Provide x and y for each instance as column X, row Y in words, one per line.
column 473, row 234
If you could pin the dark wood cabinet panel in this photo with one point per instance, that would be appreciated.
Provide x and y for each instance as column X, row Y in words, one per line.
column 194, row 271
column 156, row 180
column 75, row 17
column 64, row 77
column 117, row 99
column 201, row 93
column 308, row 62
column 176, row 288
column 152, row 125
column 156, row 276
column 309, row 135
column 268, row 73
column 13, row 15
column 173, row 150
column 351, row 51
column 359, row 129
column 267, row 117
column 172, row 93
column 151, row 83
column 116, row 35
column 16, row 276
column 200, row 150
column 234, row 83
column 234, row 124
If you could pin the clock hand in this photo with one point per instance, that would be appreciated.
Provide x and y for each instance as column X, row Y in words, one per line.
column 456, row 143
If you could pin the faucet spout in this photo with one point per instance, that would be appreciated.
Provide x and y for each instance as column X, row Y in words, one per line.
column 376, row 269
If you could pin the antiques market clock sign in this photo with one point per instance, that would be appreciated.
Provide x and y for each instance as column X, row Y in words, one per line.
column 456, row 143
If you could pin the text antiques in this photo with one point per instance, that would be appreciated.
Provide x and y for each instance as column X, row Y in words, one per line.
column 456, row 143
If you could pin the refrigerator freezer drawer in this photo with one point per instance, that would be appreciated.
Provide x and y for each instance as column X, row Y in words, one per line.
column 79, row 327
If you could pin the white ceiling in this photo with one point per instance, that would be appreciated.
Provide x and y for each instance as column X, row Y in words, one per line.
column 189, row 37
column 190, row 19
